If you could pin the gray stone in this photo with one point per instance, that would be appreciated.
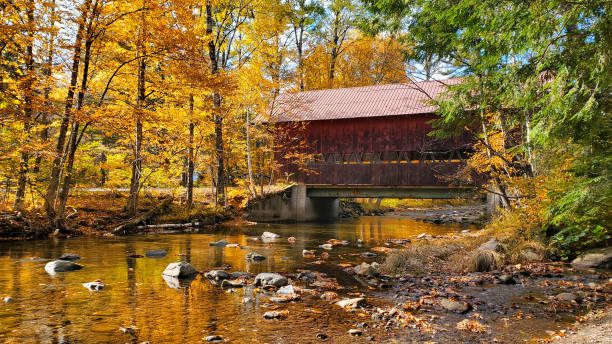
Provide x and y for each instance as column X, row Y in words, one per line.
column 156, row 253
column 214, row 338
column 233, row 283
column 217, row 275
column 71, row 257
column 254, row 256
column 530, row 255
column 600, row 258
column 220, row 243
column 180, row 270
column 272, row 315
column 269, row 235
column 355, row 332
column 94, row 286
column 455, row 306
column 61, row 266
column 366, row 269
column 507, row 279
column 270, row 279
column 567, row 297
column 238, row 274
column 307, row 276
column 492, row 245
column 351, row 303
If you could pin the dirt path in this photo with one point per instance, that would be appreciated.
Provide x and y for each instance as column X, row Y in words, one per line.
column 596, row 329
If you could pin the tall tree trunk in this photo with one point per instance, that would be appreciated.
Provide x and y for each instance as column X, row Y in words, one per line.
column 54, row 179
column 252, row 187
column 24, row 158
column 218, row 119
column 137, row 163
column 190, row 156
column 74, row 138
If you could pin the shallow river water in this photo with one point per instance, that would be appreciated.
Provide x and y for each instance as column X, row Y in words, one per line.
column 58, row 309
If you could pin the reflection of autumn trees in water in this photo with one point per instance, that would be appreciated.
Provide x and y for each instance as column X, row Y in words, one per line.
column 53, row 309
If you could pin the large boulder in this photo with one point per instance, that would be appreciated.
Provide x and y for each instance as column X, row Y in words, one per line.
column 62, row 266
column 266, row 279
column 600, row 258
column 180, row 270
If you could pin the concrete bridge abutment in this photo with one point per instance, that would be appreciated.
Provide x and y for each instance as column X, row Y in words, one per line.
column 294, row 205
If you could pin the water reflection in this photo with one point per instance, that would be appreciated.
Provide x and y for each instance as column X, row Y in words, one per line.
column 59, row 309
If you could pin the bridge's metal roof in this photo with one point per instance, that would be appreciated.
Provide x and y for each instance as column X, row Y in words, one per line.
column 359, row 102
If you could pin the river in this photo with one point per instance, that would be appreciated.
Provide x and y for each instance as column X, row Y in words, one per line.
column 58, row 309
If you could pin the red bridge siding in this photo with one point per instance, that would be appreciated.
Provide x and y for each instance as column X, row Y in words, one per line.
column 389, row 135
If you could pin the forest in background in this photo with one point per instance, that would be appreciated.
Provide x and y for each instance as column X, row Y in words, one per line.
column 154, row 93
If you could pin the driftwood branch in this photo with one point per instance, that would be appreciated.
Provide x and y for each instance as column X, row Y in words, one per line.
column 132, row 224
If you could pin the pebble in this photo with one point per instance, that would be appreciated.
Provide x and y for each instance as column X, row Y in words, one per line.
column 272, row 315
column 8, row 299
column 355, row 332
column 214, row 338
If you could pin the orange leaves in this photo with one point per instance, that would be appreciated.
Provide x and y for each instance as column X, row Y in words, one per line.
column 471, row 325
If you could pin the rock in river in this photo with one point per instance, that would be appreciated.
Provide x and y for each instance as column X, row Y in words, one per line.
column 506, row 279
column 368, row 254
column 567, row 297
column 455, row 306
column 156, row 253
column 71, row 257
column 220, row 243
column 269, row 235
column 180, row 270
column 217, row 275
column 366, row 269
column 61, row 266
column 254, row 256
column 214, row 338
column 94, row 286
column 351, row 303
column 597, row 258
column 270, row 279
column 274, row 315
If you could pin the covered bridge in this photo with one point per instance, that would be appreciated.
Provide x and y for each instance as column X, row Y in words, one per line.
column 368, row 136
column 367, row 141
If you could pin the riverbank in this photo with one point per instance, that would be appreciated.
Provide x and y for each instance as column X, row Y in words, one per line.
column 91, row 214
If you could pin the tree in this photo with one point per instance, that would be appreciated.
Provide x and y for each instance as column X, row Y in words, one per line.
column 538, row 68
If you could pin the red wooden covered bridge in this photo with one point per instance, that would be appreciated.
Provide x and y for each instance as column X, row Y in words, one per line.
column 368, row 141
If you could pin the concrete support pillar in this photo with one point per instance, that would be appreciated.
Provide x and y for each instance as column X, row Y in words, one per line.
column 300, row 200
column 295, row 205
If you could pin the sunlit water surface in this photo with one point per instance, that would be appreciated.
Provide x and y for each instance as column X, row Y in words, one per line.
column 58, row 309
